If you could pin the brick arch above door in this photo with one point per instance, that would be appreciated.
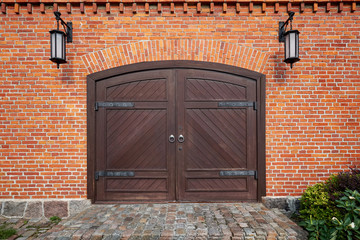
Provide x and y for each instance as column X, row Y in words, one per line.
column 184, row 49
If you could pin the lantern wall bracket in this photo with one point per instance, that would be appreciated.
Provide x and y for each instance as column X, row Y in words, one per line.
column 67, row 27
column 283, row 26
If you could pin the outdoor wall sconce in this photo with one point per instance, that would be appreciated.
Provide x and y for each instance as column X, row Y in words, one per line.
column 291, row 39
column 57, row 40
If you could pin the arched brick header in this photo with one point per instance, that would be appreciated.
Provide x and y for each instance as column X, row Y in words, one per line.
column 187, row 49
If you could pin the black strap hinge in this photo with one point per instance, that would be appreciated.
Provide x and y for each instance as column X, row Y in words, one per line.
column 113, row 104
column 238, row 104
column 113, row 174
column 239, row 173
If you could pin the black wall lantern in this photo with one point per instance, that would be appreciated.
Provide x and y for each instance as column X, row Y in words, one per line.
column 291, row 39
column 57, row 40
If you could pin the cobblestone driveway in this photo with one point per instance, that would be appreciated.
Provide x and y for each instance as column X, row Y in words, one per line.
column 178, row 221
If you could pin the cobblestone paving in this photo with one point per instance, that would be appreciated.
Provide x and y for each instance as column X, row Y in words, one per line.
column 240, row 221
column 27, row 228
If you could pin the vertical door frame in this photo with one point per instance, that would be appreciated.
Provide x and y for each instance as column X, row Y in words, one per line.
column 93, row 78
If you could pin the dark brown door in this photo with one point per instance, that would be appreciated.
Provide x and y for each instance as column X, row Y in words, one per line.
column 135, row 115
column 217, row 119
column 181, row 133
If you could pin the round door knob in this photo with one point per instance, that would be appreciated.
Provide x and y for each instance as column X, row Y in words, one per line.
column 181, row 138
column 172, row 138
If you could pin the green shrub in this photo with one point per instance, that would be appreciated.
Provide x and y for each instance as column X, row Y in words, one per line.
column 336, row 185
column 317, row 229
column 331, row 210
column 315, row 202
column 347, row 227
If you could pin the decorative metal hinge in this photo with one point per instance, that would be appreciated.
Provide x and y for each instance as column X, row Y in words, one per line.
column 114, row 104
column 113, row 174
column 239, row 173
column 238, row 104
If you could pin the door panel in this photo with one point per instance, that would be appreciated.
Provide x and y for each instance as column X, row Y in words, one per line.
column 216, row 184
column 144, row 90
column 217, row 138
column 133, row 139
column 137, row 185
column 209, row 89
column 135, row 131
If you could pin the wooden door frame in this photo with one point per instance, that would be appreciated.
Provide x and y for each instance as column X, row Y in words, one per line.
column 93, row 78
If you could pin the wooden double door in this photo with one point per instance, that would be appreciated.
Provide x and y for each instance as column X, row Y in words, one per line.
column 174, row 134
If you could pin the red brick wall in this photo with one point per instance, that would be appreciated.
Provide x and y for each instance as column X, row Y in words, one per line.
column 313, row 110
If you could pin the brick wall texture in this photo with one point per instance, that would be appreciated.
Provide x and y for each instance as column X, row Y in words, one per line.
column 312, row 110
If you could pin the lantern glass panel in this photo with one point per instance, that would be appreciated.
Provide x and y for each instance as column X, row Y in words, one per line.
column 59, row 45
column 287, row 46
column 64, row 46
column 53, row 44
column 292, row 45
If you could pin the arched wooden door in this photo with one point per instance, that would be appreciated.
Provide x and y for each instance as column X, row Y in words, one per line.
column 176, row 131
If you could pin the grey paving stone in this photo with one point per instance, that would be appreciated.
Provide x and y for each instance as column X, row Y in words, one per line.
column 13, row 209
column 76, row 206
column 55, row 208
column 34, row 210
column 28, row 233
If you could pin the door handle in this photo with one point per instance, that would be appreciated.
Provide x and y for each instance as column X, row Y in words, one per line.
column 181, row 139
column 172, row 138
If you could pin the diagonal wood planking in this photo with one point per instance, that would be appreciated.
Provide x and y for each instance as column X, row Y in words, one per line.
column 201, row 89
column 130, row 128
column 137, row 185
column 217, row 145
column 148, row 90
column 216, row 184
